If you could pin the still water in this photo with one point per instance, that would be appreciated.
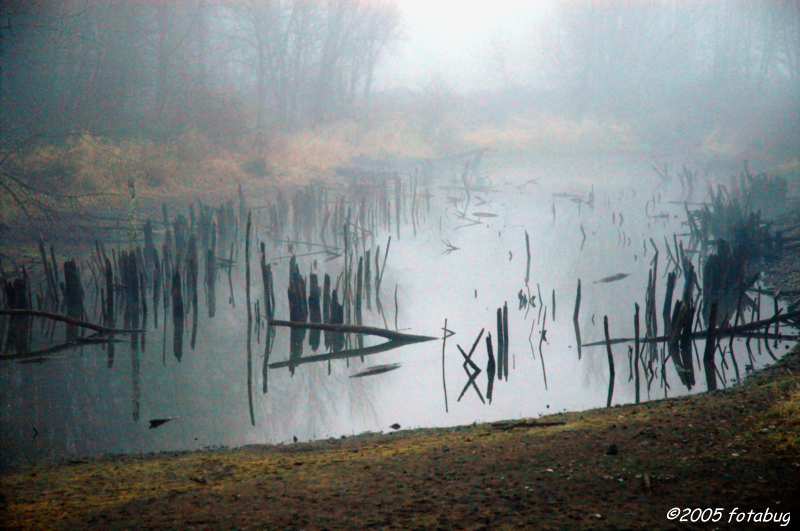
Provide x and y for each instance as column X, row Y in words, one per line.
column 458, row 254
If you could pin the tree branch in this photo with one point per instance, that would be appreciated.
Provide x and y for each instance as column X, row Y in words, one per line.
column 71, row 321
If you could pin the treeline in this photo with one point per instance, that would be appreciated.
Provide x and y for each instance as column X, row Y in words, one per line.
column 707, row 59
column 221, row 66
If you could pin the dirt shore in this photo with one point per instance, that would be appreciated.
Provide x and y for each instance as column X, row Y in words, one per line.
column 618, row 468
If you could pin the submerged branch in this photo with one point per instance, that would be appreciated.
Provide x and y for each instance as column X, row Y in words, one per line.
column 342, row 354
column 724, row 332
column 70, row 321
column 38, row 356
column 355, row 329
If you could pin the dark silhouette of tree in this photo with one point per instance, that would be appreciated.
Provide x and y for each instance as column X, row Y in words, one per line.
column 155, row 66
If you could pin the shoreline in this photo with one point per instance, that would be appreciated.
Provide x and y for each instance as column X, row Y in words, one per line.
column 619, row 467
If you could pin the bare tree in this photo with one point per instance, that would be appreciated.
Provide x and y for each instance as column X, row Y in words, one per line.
column 152, row 65
column 499, row 60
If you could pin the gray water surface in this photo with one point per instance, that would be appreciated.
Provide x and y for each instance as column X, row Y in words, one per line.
column 79, row 403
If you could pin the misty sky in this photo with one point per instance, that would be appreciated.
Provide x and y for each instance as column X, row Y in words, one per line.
column 454, row 38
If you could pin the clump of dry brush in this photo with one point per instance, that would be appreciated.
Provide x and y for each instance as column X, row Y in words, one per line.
column 738, row 215
column 736, row 236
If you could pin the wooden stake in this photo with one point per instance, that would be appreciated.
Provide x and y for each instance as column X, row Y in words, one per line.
column 500, row 347
column 528, row 266
column 711, row 347
column 610, row 363
column 636, row 349
column 575, row 318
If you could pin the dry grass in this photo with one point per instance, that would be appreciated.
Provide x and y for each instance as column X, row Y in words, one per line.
column 315, row 153
column 555, row 134
column 785, row 417
column 191, row 165
column 189, row 160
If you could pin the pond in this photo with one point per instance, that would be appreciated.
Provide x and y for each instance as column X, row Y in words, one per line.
column 478, row 249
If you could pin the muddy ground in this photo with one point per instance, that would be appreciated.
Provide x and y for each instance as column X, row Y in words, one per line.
column 618, row 468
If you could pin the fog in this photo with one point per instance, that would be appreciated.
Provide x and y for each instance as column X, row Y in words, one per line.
column 461, row 40
column 502, row 150
column 716, row 74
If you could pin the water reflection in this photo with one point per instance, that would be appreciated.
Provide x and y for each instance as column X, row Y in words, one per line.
column 344, row 380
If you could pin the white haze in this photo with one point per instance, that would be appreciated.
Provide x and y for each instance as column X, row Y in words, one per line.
column 457, row 41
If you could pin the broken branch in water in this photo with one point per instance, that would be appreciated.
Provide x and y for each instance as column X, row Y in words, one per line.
column 378, row 369
column 610, row 363
column 612, row 278
column 450, row 247
column 295, row 242
column 383, row 267
column 355, row 329
column 575, row 318
column 724, row 332
column 155, row 423
column 447, row 333
column 38, row 356
column 70, row 321
column 528, row 266
column 342, row 354
column 331, row 255
column 474, row 222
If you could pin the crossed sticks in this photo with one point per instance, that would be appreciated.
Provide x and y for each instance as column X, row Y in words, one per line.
column 476, row 370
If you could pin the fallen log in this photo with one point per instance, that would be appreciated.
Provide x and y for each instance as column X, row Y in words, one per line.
column 355, row 329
